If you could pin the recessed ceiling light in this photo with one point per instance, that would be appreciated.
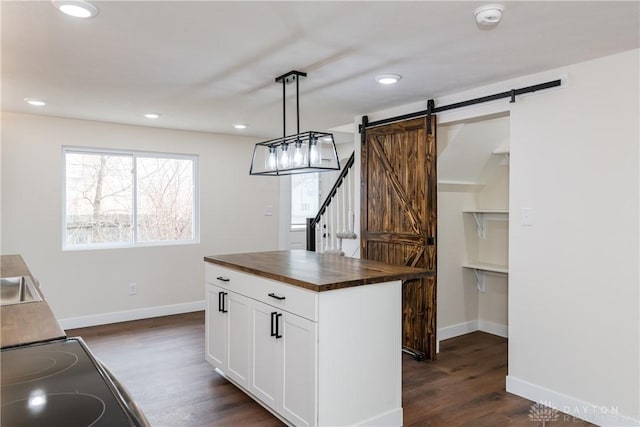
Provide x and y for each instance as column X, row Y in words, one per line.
column 76, row 8
column 35, row 102
column 388, row 79
column 489, row 14
column 240, row 126
column 152, row 115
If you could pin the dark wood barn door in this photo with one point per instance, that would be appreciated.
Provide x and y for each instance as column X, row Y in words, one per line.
column 398, row 224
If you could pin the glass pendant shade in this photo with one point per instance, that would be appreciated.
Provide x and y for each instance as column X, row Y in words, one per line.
column 299, row 154
column 270, row 159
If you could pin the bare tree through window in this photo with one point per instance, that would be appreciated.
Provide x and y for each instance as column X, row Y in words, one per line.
column 100, row 193
column 165, row 199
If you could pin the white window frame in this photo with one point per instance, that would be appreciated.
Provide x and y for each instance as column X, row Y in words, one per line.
column 301, row 227
column 134, row 243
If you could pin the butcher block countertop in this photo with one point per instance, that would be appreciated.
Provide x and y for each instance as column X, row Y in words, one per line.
column 314, row 271
column 27, row 322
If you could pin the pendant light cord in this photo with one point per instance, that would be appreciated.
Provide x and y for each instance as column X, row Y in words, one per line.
column 297, row 106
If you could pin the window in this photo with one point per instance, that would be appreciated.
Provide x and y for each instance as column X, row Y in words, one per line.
column 123, row 199
column 305, row 198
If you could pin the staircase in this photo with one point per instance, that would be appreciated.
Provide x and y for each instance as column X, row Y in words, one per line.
column 335, row 219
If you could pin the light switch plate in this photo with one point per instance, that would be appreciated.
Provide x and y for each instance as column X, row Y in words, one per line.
column 268, row 211
column 526, row 216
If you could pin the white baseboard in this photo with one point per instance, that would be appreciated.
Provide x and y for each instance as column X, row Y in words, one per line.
column 390, row 418
column 457, row 330
column 472, row 326
column 493, row 328
column 569, row 407
column 124, row 316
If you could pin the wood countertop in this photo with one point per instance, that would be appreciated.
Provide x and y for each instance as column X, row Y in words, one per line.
column 314, row 271
column 27, row 322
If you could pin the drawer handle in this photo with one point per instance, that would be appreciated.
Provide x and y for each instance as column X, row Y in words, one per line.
column 272, row 295
column 222, row 278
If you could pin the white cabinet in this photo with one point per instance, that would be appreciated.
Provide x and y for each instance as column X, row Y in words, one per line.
column 264, row 355
column 283, row 362
column 227, row 346
column 312, row 358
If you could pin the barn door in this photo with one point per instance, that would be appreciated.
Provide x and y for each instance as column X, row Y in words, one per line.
column 399, row 217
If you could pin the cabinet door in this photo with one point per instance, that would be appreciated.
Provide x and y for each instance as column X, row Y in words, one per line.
column 299, row 369
column 216, row 328
column 238, row 337
column 264, row 354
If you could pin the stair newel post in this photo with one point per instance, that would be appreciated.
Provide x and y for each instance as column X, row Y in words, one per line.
column 338, row 212
column 311, row 235
column 336, row 226
column 330, row 225
column 350, row 198
column 323, row 234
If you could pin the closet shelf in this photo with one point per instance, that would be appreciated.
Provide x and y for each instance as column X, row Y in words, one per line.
column 480, row 269
column 481, row 216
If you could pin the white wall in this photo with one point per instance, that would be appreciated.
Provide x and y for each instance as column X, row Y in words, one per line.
column 90, row 287
column 574, row 283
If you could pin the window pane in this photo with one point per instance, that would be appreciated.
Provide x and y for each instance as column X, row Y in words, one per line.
column 165, row 195
column 305, row 197
column 99, row 198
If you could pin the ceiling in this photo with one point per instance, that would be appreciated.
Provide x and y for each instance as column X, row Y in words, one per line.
column 207, row 65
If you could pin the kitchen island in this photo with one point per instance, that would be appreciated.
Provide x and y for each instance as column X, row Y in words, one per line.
column 314, row 338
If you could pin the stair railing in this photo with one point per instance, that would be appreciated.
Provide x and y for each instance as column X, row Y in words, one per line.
column 333, row 222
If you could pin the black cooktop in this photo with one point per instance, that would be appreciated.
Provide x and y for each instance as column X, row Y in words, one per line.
column 57, row 383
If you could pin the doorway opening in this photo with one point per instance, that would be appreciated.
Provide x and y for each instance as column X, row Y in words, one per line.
column 473, row 226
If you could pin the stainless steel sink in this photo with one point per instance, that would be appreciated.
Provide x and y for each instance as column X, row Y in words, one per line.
column 17, row 290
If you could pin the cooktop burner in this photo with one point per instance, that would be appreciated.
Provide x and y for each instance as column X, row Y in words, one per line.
column 57, row 383
column 17, row 368
column 53, row 409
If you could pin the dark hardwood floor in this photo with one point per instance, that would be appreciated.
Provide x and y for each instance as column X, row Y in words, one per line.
column 161, row 362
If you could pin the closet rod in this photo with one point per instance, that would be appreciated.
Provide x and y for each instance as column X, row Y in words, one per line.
column 509, row 94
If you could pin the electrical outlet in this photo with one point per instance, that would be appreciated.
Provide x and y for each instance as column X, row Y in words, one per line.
column 133, row 289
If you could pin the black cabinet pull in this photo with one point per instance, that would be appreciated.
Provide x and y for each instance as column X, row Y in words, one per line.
column 278, row 316
column 273, row 295
column 222, row 278
column 219, row 301
column 273, row 322
column 224, row 310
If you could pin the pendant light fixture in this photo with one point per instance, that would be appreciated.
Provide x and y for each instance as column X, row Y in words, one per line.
column 302, row 152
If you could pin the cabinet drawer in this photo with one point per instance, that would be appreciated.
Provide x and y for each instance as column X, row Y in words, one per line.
column 289, row 298
column 293, row 299
column 227, row 278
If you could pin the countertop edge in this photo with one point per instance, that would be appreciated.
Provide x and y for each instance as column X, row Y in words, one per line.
column 315, row 287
